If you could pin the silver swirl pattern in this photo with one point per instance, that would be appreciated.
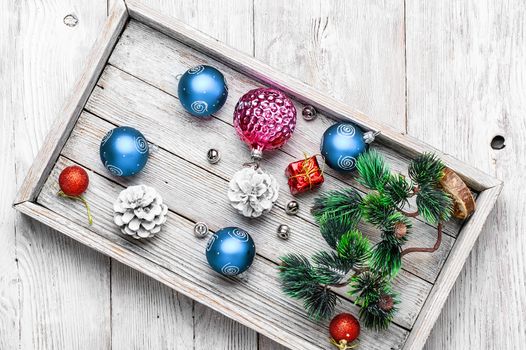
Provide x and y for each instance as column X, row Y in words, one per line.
column 346, row 162
column 346, row 130
column 106, row 137
column 199, row 106
column 196, row 69
column 115, row 170
column 211, row 242
column 141, row 145
column 229, row 270
column 239, row 234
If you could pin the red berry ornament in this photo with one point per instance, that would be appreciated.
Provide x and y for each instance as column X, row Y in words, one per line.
column 344, row 329
column 73, row 182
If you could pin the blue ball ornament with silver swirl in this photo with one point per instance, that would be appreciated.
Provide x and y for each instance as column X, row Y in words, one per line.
column 202, row 90
column 341, row 145
column 230, row 251
column 124, row 151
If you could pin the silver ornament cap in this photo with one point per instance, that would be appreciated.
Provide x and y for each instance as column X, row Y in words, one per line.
column 283, row 232
column 292, row 208
column 369, row 136
column 309, row 113
column 200, row 230
column 213, row 156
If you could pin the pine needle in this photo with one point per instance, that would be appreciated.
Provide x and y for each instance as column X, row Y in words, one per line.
column 329, row 268
column 374, row 172
column 354, row 249
column 320, row 304
column 337, row 212
column 426, row 169
column 398, row 189
column 377, row 208
column 434, row 204
column 387, row 258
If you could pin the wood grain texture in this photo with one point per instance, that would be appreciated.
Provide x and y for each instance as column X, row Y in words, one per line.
column 152, row 57
column 353, row 51
column 147, row 314
column 62, row 287
column 207, row 203
column 232, row 24
column 73, row 105
column 404, row 144
column 9, row 284
column 484, row 63
column 256, row 300
column 331, row 46
column 467, row 74
column 125, row 100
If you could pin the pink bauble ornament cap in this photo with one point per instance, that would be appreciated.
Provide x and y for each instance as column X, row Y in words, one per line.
column 264, row 119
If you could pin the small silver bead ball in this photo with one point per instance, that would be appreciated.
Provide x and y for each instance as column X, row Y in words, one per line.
column 292, row 208
column 284, row 232
column 309, row 113
column 213, row 156
column 200, row 230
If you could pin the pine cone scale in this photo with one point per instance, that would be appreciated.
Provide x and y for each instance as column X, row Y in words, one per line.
column 139, row 211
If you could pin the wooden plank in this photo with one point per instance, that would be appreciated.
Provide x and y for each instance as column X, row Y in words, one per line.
column 237, row 32
column 9, row 286
column 333, row 47
column 146, row 312
column 157, row 60
column 466, row 75
column 206, row 203
column 477, row 218
column 216, row 331
column 451, row 270
column 72, row 107
column 405, row 144
column 125, row 100
column 62, row 288
column 178, row 259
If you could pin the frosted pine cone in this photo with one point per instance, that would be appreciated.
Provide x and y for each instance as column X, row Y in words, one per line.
column 253, row 192
column 139, row 211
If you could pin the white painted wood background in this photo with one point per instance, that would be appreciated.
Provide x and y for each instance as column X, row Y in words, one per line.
column 452, row 73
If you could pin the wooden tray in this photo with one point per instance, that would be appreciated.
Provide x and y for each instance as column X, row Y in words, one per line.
column 131, row 79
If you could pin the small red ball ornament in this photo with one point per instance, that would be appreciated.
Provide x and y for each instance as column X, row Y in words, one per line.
column 73, row 182
column 344, row 329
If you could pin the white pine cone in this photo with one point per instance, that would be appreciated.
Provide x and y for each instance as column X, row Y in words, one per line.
column 253, row 192
column 139, row 211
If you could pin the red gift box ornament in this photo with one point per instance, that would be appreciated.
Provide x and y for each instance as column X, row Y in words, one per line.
column 304, row 175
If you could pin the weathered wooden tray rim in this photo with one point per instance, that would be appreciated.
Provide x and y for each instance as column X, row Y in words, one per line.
column 488, row 186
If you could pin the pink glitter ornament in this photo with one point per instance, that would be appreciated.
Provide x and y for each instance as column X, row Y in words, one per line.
column 264, row 119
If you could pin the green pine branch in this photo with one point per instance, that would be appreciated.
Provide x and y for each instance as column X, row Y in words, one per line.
column 434, row 204
column 376, row 299
column 426, row 169
column 339, row 212
column 398, row 189
column 341, row 205
column 329, row 268
column 354, row 249
column 373, row 172
column 386, row 257
column 377, row 208
column 320, row 304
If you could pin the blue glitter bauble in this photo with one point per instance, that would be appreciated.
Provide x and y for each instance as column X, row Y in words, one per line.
column 341, row 145
column 124, row 151
column 202, row 90
column 230, row 251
